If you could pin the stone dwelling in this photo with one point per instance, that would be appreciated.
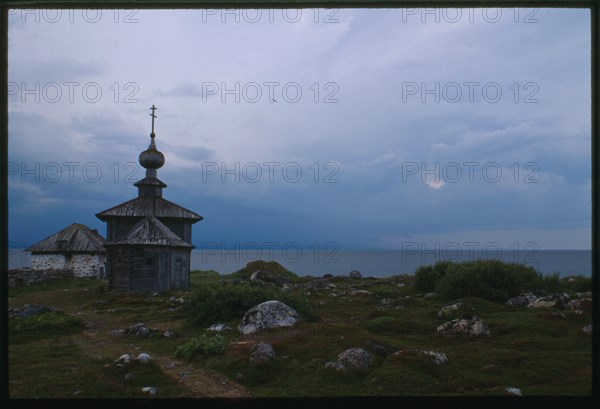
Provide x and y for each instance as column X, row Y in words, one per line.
column 76, row 248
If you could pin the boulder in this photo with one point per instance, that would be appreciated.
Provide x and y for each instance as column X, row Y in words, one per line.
column 270, row 314
column 521, row 300
column 473, row 327
column 262, row 353
column 140, row 330
column 352, row 359
column 354, row 274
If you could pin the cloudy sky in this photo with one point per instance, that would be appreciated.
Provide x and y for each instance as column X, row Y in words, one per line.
column 368, row 128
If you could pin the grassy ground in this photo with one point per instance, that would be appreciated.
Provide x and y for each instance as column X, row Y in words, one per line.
column 541, row 355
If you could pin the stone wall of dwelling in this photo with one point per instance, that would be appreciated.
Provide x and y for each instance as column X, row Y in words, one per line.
column 28, row 276
column 81, row 265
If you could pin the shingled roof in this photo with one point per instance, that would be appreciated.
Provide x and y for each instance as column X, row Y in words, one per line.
column 150, row 232
column 77, row 238
column 146, row 206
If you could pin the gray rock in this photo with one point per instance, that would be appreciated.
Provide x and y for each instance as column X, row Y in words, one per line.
column 117, row 332
column 355, row 359
column 430, row 295
column 354, row 274
column 521, row 300
column 270, row 314
column 140, row 330
column 554, row 300
column 129, row 376
column 169, row 334
column 219, row 328
column 473, row 327
column 588, row 328
column 262, row 353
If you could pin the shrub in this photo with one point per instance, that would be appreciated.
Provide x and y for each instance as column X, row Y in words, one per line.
column 45, row 325
column 551, row 283
column 579, row 284
column 206, row 345
column 211, row 304
column 489, row 279
column 427, row 277
column 271, row 270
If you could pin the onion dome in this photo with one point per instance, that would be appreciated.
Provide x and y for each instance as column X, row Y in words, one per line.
column 152, row 158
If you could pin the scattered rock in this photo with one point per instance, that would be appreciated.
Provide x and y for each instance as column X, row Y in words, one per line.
column 129, row 376
column 430, row 295
column 360, row 292
column 257, row 275
column 143, row 357
column 472, row 327
column 399, row 307
column 521, row 300
column 150, row 390
column 354, row 274
column 386, row 301
column 353, row 359
column 155, row 294
column 558, row 300
column 581, row 304
column 588, row 328
column 437, row 358
column 117, row 332
column 262, row 353
column 456, row 310
column 169, row 334
column 270, row 314
column 510, row 391
column 219, row 328
column 140, row 330
column 317, row 283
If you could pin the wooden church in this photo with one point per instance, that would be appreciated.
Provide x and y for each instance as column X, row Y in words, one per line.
column 149, row 239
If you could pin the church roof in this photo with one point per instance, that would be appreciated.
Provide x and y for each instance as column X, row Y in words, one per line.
column 146, row 206
column 150, row 232
column 76, row 238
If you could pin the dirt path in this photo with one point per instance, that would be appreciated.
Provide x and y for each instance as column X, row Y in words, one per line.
column 199, row 382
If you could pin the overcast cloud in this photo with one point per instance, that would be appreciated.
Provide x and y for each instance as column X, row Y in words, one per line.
column 497, row 151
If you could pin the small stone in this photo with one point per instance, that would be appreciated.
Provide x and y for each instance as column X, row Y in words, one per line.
column 219, row 328
column 155, row 294
column 129, row 376
column 125, row 358
column 262, row 353
column 430, row 295
column 172, row 298
column 473, row 327
column 510, row 391
column 150, row 390
column 143, row 357
column 588, row 328
column 169, row 334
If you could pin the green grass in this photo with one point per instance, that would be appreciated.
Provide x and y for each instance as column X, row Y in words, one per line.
column 526, row 349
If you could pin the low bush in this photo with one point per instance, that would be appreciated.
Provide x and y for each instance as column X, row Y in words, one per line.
column 205, row 345
column 427, row 277
column 211, row 304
